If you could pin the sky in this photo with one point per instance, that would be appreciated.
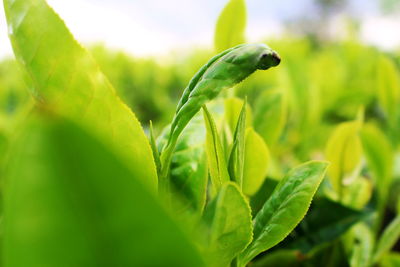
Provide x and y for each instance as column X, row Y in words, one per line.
column 154, row 27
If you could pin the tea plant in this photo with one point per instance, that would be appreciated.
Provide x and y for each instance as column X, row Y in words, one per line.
column 223, row 184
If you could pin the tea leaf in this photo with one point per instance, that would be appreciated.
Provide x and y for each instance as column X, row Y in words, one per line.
column 256, row 160
column 188, row 170
column 232, row 108
column 344, row 151
column 363, row 246
column 285, row 208
column 270, row 114
column 236, row 157
column 67, row 80
column 231, row 25
column 230, row 225
column 215, row 154
column 70, row 201
column 380, row 157
column 389, row 237
column 388, row 85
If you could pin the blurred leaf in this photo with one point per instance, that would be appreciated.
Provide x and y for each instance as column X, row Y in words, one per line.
column 388, row 85
column 156, row 153
column 215, row 154
column 229, row 217
column 344, row 151
column 388, row 239
column 256, row 160
column 270, row 115
column 380, row 157
column 70, row 201
column 231, row 25
column 285, row 208
column 67, row 80
column 325, row 222
column 390, row 260
column 363, row 246
column 358, row 193
column 236, row 157
column 281, row 258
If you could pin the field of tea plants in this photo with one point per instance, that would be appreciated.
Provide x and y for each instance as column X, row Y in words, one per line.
column 280, row 153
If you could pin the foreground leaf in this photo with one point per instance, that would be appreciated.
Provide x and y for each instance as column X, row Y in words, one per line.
column 231, row 25
column 285, row 208
column 70, row 201
column 66, row 79
column 229, row 217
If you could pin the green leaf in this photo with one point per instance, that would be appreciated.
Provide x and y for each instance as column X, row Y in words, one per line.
column 188, row 169
column 380, row 157
column 215, row 154
column 156, row 153
column 362, row 247
column 231, row 25
column 270, row 115
column 281, row 258
column 229, row 218
column 232, row 109
column 285, row 208
column 70, row 201
column 236, row 157
column 256, row 160
column 388, row 85
column 344, row 151
column 389, row 237
column 358, row 193
column 68, row 81
column 390, row 260
column 321, row 225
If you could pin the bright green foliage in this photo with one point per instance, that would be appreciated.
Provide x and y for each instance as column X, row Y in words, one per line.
column 256, row 160
column 66, row 79
column 74, row 203
column 236, row 157
column 79, row 175
column 285, row 208
column 229, row 219
column 344, row 151
column 388, row 239
column 231, row 25
column 215, row 154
